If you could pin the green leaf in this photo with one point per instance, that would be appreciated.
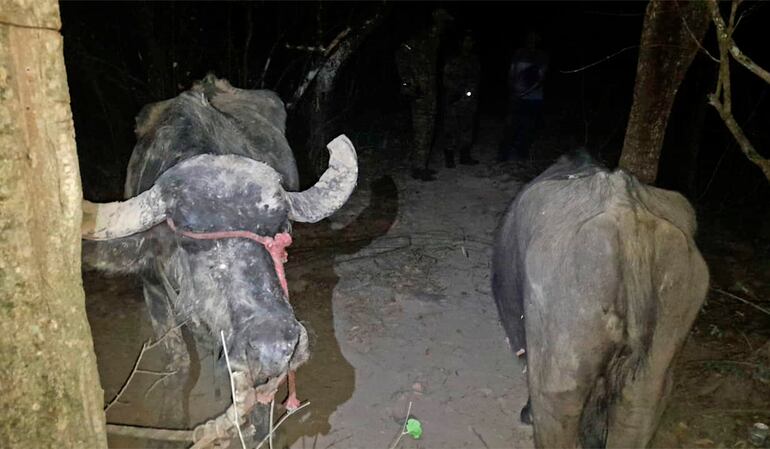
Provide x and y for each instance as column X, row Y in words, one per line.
column 414, row 428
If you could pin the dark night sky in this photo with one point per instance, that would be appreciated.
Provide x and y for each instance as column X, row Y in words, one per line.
column 123, row 55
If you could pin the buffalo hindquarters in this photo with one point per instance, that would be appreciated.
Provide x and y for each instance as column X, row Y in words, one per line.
column 599, row 278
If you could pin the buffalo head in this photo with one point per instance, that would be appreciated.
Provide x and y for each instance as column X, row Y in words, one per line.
column 228, row 283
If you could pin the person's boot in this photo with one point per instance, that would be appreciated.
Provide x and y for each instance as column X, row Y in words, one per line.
column 423, row 174
column 449, row 159
column 466, row 159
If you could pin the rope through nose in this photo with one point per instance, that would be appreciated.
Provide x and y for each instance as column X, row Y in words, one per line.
column 276, row 246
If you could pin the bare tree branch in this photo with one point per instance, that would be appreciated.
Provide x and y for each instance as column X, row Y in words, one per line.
column 608, row 57
column 695, row 38
column 314, row 71
column 334, row 55
column 748, row 62
column 721, row 99
column 146, row 346
column 740, row 137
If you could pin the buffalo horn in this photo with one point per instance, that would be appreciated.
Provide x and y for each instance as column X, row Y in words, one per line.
column 332, row 190
column 105, row 221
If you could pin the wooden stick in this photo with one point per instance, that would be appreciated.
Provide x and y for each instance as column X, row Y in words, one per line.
column 149, row 433
column 745, row 301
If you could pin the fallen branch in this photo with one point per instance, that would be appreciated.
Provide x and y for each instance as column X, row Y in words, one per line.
column 149, row 433
column 403, row 428
column 146, row 346
column 205, row 435
column 745, row 301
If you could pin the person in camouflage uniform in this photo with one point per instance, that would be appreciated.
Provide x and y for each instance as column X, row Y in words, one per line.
column 462, row 73
column 525, row 90
column 417, row 63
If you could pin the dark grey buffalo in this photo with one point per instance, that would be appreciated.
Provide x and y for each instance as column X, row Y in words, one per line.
column 210, row 190
column 597, row 276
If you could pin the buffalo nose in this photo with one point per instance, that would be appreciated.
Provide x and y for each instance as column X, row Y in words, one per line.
column 274, row 359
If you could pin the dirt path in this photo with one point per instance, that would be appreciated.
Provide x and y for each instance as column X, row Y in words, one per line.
column 412, row 316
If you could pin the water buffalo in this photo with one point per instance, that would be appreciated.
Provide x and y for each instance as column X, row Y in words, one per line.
column 598, row 278
column 206, row 221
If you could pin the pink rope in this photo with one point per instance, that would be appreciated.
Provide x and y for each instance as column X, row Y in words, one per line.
column 276, row 246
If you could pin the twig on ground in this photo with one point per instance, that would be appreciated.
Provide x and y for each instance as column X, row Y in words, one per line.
column 725, row 362
column 270, row 430
column 146, row 346
column 736, row 410
column 751, row 347
column 475, row 432
column 403, row 428
column 275, row 427
column 232, row 390
column 745, row 301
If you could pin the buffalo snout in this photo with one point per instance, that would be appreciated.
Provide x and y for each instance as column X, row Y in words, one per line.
column 267, row 351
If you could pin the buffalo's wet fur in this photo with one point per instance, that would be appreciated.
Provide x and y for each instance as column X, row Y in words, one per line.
column 211, row 118
column 599, row 278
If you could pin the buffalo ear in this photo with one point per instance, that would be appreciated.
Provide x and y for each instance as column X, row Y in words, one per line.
column 105, row 221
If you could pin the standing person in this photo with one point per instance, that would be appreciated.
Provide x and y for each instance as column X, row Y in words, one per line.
column 525, row 98
column 417, row 63
column 462, row 74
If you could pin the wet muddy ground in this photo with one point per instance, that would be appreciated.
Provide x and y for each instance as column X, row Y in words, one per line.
column 395, row 292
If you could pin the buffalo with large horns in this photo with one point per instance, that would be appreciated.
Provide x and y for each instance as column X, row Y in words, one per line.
column 210, row 200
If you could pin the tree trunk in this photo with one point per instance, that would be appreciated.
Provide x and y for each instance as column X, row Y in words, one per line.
column 51, row 395
column 671, row 35
column 324, row 74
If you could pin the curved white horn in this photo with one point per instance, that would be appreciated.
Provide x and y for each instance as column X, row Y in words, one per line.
column 105, row 221
column 332, row 190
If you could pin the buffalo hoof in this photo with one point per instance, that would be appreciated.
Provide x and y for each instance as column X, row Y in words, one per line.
column 526, row 413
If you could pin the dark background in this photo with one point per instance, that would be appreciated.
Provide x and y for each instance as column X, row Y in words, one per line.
column 121, row 56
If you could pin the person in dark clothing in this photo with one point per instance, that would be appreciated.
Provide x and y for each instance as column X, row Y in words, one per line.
column 525, row 99
column 462, row 73
column 417, row 64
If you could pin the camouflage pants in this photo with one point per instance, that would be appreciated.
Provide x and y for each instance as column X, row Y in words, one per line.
column 459, row 122
column 424, row 126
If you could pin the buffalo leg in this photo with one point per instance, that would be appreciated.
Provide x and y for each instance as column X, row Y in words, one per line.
column 560, row 383
column 636, row 415
column 644, row 397
column 526, row 413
